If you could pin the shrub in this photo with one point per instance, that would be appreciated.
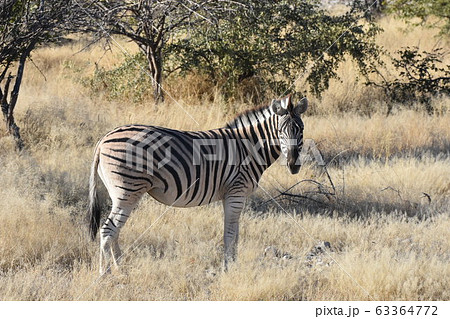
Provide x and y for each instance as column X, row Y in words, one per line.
column 420, row 76
column 127, row 81
column 274, row 42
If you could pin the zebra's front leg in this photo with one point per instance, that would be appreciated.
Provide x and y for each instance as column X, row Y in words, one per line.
column 232, row 206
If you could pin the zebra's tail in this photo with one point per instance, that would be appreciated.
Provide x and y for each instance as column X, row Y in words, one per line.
column 94, row 205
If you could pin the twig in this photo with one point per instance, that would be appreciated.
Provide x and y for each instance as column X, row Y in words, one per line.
column 427, row 196
column 40, row 71
column 290, row 196
column 336, row 156
column 330, row 180
column 393, row 189
column 321, row 191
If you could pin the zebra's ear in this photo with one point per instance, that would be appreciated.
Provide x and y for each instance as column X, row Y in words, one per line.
column 302, row 106
column 277, row 107
column 286, row 102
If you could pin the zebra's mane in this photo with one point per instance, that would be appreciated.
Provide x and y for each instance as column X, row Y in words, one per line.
column 250, row 117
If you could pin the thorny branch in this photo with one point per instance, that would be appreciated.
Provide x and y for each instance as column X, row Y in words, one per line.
column 296, row 198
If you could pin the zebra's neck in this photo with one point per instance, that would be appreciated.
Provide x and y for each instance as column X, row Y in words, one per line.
column 260, row 127
column 251, row 117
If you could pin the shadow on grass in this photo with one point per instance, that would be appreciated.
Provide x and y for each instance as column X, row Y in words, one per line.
column 436, row 150
column 335, row 206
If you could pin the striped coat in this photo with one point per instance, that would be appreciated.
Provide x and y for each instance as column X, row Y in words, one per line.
column 186, row 169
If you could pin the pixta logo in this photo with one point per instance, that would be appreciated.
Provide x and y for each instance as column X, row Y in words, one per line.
column 148, row 149
column 151, row 150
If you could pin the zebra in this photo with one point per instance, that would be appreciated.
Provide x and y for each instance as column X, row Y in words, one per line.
column 191, row 168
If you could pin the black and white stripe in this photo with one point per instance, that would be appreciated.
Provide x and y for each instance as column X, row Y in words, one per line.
column 186, row 169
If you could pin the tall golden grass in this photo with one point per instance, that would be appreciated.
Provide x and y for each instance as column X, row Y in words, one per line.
column 391, row 240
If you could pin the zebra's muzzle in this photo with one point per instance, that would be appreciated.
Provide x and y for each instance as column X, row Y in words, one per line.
column 292, row 160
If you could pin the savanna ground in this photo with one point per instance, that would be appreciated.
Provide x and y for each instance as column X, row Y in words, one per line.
column 388, row 241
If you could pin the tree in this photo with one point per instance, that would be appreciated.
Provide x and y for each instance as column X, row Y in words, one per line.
column 152, row 24
column 424, row 10
column 419, row 77
column 273, row 41
column 24, row 25
column 369, row 8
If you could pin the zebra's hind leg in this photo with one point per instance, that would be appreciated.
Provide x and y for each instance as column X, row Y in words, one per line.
column 109, row 234
column 105, row 254
column 233, row 206
column 116, row 252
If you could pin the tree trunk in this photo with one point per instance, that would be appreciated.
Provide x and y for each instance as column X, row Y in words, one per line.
column 154, row 60
column 8, row 116
column 8, row 107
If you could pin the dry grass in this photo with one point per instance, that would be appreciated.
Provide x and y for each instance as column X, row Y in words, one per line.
column 391, row 241
column 179, row 258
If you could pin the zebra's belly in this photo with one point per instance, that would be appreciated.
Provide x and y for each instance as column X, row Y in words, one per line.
column 170, row 199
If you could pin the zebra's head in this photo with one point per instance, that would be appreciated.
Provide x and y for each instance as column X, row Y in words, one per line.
column 290, row 129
